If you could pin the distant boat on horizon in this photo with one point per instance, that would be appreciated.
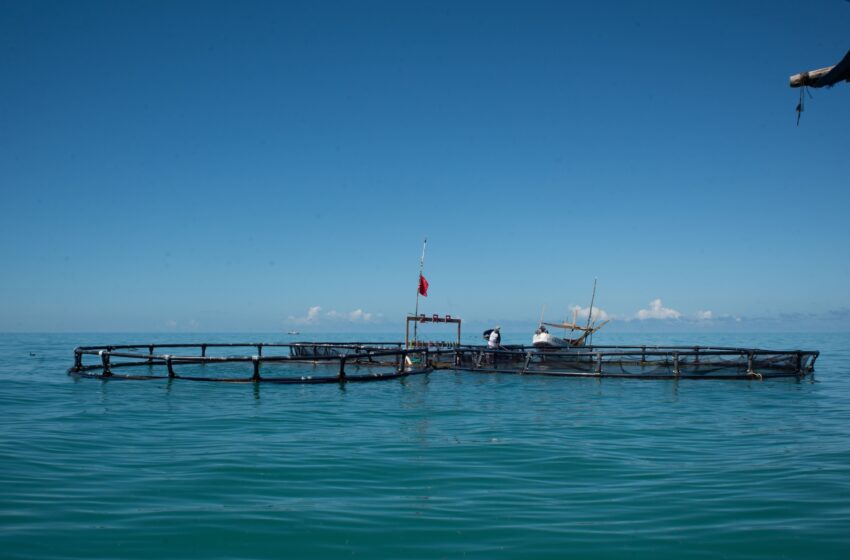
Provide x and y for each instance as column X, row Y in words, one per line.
column 293, row 332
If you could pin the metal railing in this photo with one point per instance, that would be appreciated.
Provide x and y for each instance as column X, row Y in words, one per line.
column 646, row 362
column 641, row 362
column 400, row 362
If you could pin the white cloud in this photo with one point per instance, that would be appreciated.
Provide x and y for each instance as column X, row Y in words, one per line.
column 189, row 325
column 315, row 315
column 658, row 311
column 358, row 315
column 580, row 312
column 705, row 315
column 311, row 317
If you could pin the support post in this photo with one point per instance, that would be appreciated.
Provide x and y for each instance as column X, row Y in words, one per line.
column 419, row 285
column 170, row 366
column 150, row 353
column 696, row 355
column 799, row 363
column 78, row 359
column 203, row 350
column 342, row 368
column 676, row 371
column 750, row 370
column 260, row 349
column 527, row 361
column 599, row 363
column 104, row 359
column 256, row 361
column 642, row 355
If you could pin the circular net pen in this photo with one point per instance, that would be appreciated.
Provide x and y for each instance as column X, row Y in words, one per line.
column 296, row 363
column 640, row 362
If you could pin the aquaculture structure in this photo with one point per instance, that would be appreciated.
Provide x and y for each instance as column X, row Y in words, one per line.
column 335, row 362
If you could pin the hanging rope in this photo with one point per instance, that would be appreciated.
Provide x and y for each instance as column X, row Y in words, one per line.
column 800, row 104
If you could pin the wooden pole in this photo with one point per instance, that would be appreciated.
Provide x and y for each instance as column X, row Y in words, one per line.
column 807, row 78
column 418, row 280
column 590, row 309
column 407, row 333
column 590, row 314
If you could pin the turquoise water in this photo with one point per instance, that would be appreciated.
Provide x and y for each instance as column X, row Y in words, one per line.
column 447, row 465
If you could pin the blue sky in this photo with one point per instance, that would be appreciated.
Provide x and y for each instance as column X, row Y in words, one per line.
column 227, row 166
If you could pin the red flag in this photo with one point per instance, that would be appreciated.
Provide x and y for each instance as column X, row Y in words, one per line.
column 423, row 286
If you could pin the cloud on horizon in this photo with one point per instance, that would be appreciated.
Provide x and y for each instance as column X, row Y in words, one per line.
column 657, row 310
column 358, row 315
column 599, row 314
column 314, row 316
column 311, row 317
column 188, row 325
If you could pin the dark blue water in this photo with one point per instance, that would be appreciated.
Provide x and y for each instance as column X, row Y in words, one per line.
column 446, row 465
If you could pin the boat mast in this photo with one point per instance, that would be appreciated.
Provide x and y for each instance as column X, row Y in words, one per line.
column 590, row 312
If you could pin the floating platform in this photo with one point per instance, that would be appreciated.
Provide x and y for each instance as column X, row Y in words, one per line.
column 334, row 362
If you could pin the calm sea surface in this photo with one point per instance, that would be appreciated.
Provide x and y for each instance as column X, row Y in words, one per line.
column 446, row 465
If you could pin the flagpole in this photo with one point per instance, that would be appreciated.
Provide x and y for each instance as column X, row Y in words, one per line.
column 418, row 280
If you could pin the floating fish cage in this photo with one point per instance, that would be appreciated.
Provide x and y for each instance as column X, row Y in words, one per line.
column 333, row 362
column 640, row 362
column 297, row 363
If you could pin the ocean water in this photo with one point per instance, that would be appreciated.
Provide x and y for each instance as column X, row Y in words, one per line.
column 446, row 465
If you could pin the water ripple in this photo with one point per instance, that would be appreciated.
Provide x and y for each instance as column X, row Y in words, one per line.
column 438, row 466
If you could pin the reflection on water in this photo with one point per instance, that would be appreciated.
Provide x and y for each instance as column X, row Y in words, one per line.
column 444, row 465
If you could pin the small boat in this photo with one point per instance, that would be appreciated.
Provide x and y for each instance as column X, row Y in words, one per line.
column 293, row 332
column 544, row 339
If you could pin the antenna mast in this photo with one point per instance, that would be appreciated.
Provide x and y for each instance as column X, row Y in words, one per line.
column 418, row 280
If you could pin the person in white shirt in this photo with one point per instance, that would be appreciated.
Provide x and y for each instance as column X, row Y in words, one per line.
column 495, row 340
